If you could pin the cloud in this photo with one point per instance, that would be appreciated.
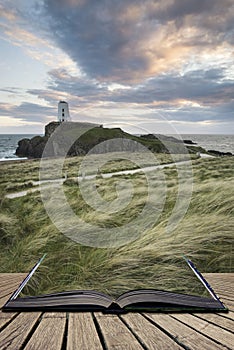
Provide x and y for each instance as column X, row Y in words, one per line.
column 118, row 57
column 11, row 90
column 28, row 112
column 62, row 80
column 203, row 87
column 198, row 85
column 128, row 41
column 195, row 96
column 22, row 25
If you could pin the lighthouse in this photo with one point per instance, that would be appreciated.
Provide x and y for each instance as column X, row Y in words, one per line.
column 63, row 112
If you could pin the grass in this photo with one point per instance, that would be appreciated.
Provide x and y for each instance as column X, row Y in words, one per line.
column 16, row 176
column 154, row 259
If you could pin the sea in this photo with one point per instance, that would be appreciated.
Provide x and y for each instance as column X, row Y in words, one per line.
column 222, row 143
column 8, row 145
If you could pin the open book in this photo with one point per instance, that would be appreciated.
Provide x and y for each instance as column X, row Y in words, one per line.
column 135, row 300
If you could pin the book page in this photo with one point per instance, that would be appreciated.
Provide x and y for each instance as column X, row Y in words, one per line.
column 175, row 278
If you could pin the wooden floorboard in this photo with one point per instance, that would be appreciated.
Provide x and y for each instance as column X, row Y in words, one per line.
column 6, row 318
column 82, row 332
column 183, row 334
column 229, row 315
column 218, row 320
column 15, row 334
column 116, row 335
column 221, row 336
column 133, row 331
column 149, row 334
column 49, row 333
column 9, row 283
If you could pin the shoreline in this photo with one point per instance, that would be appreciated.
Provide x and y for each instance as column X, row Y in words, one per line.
column 8, row 160
column 17, row 160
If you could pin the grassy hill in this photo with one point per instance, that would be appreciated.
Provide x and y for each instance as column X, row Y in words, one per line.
column 80, row 138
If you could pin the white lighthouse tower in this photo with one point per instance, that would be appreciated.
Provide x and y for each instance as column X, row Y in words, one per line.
column 63, row 112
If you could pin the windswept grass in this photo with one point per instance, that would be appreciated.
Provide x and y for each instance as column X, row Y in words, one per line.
column 16, row 176
column 154, row 259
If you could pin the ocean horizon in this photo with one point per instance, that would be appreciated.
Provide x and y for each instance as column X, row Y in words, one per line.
column 217, row 142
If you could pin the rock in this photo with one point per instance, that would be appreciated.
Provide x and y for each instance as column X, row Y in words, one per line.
column 189, row 142
column 36, row 146
column 220, row 154
column 22, row 149
column 149, row 136
column 50, row 128
column 31, row 148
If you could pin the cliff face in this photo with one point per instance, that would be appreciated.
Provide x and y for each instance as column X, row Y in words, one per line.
column 76, row 139
column 31, row 148
column 50, row 128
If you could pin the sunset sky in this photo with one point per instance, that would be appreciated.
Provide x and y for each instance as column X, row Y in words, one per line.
column 143, row 65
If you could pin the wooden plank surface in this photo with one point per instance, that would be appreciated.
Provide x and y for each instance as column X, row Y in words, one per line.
column 9, row 282
column 12, row 276
column 184, row 334
column 229, row 315
column 220, row 335
column 133, row 331
column 82, row 333
column 116, row 335
column 218, row 320
column 148, row 334
column 49, row 333
column 15, row 334
column 6, row 317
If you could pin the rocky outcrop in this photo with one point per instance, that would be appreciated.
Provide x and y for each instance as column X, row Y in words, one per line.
column 50, row 128
column 219, row 153
column 75, row 139
column 34, row 148
column 189, row 142
column 31, row 148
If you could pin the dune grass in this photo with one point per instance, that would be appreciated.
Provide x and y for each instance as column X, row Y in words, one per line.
column 16, row 176
column 154, row 259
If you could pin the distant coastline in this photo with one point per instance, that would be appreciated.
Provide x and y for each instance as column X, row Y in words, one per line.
column 216, row 142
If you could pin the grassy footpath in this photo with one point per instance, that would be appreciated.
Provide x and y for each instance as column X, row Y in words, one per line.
column 18, row 175
column 205, row 234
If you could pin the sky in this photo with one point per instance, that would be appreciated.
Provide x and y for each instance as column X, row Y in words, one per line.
column 143, row 65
